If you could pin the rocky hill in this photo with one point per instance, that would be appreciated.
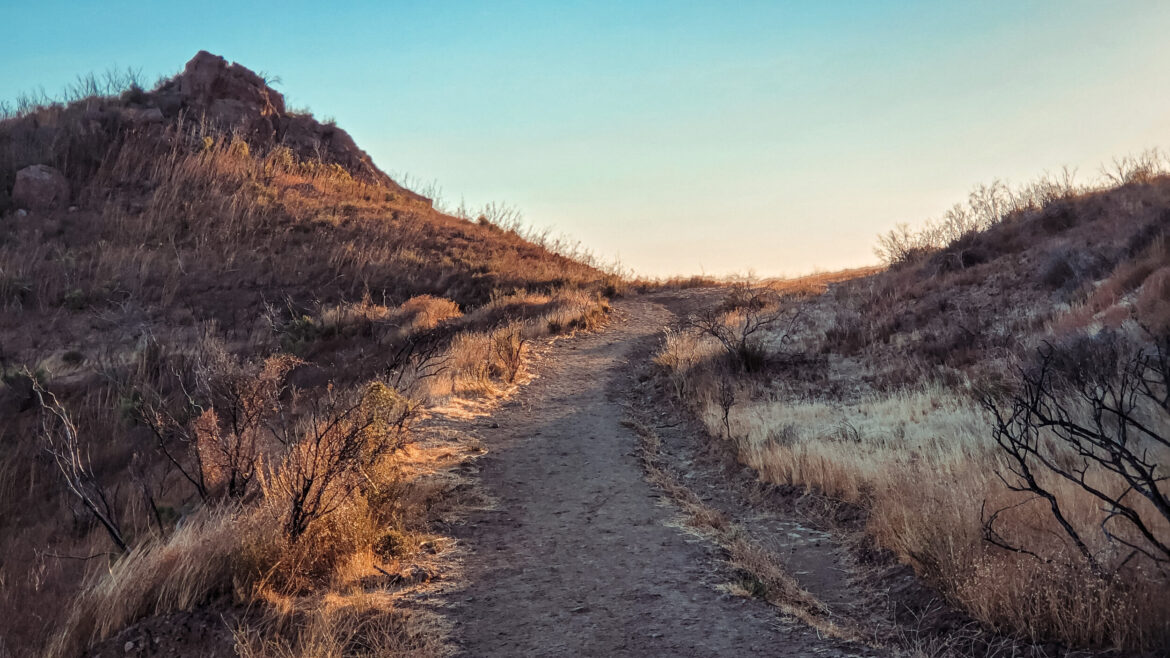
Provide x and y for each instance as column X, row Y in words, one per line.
column 175, row 262
column 225, row 96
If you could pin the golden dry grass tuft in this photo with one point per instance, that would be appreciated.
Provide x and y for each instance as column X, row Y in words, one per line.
column 360, row 624
column 193, row 564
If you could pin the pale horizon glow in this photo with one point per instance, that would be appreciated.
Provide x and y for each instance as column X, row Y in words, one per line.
column 776, row 137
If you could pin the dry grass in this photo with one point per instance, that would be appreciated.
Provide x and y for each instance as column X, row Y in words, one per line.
column 189, row 567
column 767, row 577
column 360, row 624
column 817, row 283
column 180, row 232
column 329, row 589
column 216, row 213
column 921, row 461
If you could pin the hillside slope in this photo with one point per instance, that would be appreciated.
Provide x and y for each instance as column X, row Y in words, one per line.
column 220, row 323
column 992, row 405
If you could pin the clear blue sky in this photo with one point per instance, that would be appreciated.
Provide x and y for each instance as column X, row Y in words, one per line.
column 776, row 136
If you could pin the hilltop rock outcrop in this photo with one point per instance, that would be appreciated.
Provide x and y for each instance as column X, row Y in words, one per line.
column 233, row 97
column 229, row 95
column 210, row 89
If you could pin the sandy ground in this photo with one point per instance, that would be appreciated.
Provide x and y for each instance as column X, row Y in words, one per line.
column 580, row 555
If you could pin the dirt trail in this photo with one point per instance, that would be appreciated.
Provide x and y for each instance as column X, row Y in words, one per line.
column 579, row 556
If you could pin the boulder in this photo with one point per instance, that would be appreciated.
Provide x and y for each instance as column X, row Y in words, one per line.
column 40, row 187
column 139, row 115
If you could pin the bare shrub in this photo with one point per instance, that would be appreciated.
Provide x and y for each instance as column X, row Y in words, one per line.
column 987, row 205
column 62, row 441
column 1141, row 168
column 749, row 314
column 1105, row 441
column 328, row 450
column 229, row 436
column 215, row 434
column 508, row 352
column 903, row 245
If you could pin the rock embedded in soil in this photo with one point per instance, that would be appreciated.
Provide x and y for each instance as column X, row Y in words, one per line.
column 40, row 187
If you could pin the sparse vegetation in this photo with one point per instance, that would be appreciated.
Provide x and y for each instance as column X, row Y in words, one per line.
column 1032, row 501
column 741, row 323
column 218, row 355
column 263, row 323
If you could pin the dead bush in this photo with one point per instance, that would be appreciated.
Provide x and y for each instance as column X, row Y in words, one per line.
column 901, row 245
column 1136, row 169
column 508, row 352
column 1104, row 441
column 216, row 433
column 328, row 450
column 62, row 441
column 741, row 323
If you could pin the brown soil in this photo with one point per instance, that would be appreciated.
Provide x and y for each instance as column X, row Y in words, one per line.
column 581, row 555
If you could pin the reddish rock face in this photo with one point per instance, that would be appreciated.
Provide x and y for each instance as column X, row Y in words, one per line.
column 40, row 187
column 209, row 78
column 234, row 98
column 230, row 95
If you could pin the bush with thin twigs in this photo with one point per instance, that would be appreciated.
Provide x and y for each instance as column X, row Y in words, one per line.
column 216, row 432
column 748, row 316
column 62, row 441
column 1112, row 428
column 507, row 344
column 327, row 452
